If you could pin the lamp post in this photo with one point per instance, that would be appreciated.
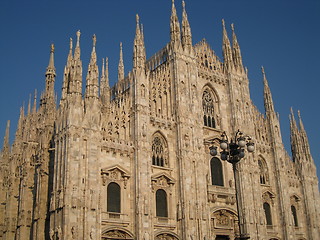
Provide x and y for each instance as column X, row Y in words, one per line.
column 233, row 152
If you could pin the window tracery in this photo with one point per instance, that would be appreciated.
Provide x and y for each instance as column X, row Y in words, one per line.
column 159, row 151
column 263, row 171
column 208, row 109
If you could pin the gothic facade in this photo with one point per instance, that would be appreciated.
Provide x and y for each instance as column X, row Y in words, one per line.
column 132, row 161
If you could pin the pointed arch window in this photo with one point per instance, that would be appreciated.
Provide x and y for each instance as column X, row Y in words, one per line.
column 267, row 212
column 208, row 109
column 114, row 198
column 161, row 203
column 216, row 172
column 159, row 151
column 263, row 171
column 294, row 215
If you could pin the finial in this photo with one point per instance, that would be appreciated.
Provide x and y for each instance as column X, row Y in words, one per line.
column 52, row 48
column 291, row 110
column 35, row 101
column 223, row 24
column 70, row 43
column 78, row 37
column 299, row 114
column 172, row 2
column 121, row 46
column 232, row 27
column 102, row 72
column 262, row 70
column 183, row 5
column 137, row 19
column 94, row 39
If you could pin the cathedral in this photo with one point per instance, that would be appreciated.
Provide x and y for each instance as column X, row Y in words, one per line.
column 129, row 162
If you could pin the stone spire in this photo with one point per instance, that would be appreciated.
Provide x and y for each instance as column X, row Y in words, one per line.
column 139, row 52
column 174, row 27
column 77, row 49
column 92, row 86
column 226, row 48
column 268, row 102
column 186, row 30
column 237, row 58
column 104, row 83
column 34, row 109
column 50, row 78
column 19, row 129
column 67, row 74
column 70, row 57
column 304, row 138
column 29, row 105
column 121, row 65
column 6, row 144
column 51, row 69
column 294, row 139
column 75, row 81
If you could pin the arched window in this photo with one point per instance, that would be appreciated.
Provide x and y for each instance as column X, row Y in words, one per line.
column 113, row 198
column 216, row 172
column 208, row 109
column 263, row 171
column 161, row 203
column 267, row 212
column 159, row 151
column 294, row 215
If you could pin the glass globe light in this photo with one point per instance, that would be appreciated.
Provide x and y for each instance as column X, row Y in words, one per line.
column 224, row 156
column 250, row 147
column 241, row 142
column 213, row 151
column 223, row 145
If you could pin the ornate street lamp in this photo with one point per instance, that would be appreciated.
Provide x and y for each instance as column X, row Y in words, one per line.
column 233, row 152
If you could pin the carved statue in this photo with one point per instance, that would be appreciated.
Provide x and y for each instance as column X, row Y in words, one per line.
column 51, row 234
column 74, row 232
column 59, row 233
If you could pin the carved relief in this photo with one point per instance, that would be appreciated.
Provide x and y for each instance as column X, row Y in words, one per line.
column 116, row 234
column 166, row 236
column 224, row 219
column 114, row 174
column 162, row 181
column 268, row 197
column 74, row 232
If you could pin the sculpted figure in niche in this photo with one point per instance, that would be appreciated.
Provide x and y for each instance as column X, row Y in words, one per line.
column 51, row 234
column 74, row 232
column 146, row 236
column 59, row 233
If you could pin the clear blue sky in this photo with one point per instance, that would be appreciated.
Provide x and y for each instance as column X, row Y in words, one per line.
column 283, row 36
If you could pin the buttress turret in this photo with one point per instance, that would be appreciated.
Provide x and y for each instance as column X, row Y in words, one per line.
column 6, row 144
column 226, row 49
column 104, row 83
column 120, row 65
column 75, row 81
column 268, row 102
column 186, row 36
column 175, row 35
column 139, row 51
column 49, row 95
column 236, row 52
column 92, row 86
